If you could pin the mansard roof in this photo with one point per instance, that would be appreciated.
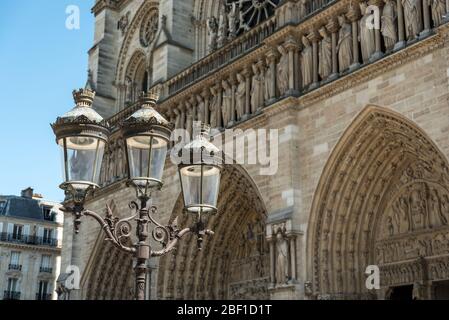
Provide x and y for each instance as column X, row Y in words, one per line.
column 22, row 207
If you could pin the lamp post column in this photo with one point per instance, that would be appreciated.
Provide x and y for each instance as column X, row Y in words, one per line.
column 143, row 250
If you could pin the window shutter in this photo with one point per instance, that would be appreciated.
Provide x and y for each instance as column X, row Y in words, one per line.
column 40, row 232
column 10, row 228
column 1, row 227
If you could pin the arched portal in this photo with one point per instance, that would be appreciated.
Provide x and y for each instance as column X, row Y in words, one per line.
column 383, row 199
column 234, row 263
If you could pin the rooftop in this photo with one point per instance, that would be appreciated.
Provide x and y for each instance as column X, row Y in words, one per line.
column 28, row 206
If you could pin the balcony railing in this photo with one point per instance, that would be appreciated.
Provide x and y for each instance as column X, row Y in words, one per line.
column 11, row 295
column 46, row 270
column 43, row 296
column 16, row 267
column 30, row 240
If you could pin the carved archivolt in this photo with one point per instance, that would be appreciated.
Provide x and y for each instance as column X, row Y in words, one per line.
column 382, row 199
column 234, row 263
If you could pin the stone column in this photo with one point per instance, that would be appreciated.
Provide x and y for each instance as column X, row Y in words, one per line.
column 272, row 56
column 401, row 27
column 314, row 37
column 378, row 37
column 354, row 16
column 272, row 266
column 182, row 112
column 206, row 96
column 247, row 74
column 426, row 18
column 292, row 46
column 333, row 27
column 75, row 294
column 292, row 241
column 446, row 17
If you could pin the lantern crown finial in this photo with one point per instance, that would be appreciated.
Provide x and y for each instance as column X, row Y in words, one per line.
column 84, row 97
column 148, row 99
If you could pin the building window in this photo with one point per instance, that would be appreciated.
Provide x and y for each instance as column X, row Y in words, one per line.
column 12, row 292
column 17, row 233
column 14, row 263
column 48, row 236
column 47, row 213
column 2, row 205
column 43, row 291
column 46, row 264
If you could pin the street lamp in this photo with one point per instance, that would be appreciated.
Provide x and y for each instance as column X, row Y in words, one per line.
column 83, row 134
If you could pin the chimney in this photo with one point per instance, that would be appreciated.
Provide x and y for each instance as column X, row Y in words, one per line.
column 27, row 193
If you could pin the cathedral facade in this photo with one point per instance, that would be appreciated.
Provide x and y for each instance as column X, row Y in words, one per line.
column 359, row 93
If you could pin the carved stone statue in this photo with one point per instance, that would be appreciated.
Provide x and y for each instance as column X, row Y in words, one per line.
column 256, row 89
column 389, row 24
column 306, row 62
column 325, row 54
column 232, row 20
column 213, row 107
column 129, row 90
column 268, row 94
column 227, row 102
column 367, row 36
column 438, row 11
column 222, row 30
column 111, row 166
column 436, row 215
column 120, row 171
column 412, row 17
column 281, row 258
column 418, row 209
column 240, row 96
column 178, row 120
column 201, row 108
column 212, row 27
column 303, row 8
column 344, row 46
column 282, row 71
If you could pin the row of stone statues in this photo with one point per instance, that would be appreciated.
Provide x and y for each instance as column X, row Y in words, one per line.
column 226, row 27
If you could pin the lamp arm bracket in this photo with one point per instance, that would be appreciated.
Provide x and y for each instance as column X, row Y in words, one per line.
column 116, row 230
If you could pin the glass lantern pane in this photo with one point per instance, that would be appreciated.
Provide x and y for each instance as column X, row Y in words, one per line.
column 82, row 159
column 146, row 158
column 191, row 185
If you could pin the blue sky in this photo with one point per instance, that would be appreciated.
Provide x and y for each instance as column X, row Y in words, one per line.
column 41, row 62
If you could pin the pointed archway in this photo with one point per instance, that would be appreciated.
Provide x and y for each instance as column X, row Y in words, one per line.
column 383, row 199
column 234, row 263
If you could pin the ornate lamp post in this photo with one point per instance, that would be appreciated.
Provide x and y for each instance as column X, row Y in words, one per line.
column 82, row 135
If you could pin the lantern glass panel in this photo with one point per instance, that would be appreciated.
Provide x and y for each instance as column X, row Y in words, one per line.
column 146, row 156
column 197, row 198
column 82, row 158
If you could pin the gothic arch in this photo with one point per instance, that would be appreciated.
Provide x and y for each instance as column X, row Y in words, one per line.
column 137, row 76
column 234, row 263
column 132, row 40
column 372, row 204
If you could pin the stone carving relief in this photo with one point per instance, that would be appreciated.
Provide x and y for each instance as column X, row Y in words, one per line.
column 393, row 209
column 306, row 62
column 282, row 71
column 227, row 102
column 325, row 54
column 367, row 41
column 257, row 88
column 240, row 96
column 389, row 24
column 212, row 27
column 344, row 46
column 438, row 8
column 123, row 23
column 412, row 16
